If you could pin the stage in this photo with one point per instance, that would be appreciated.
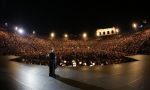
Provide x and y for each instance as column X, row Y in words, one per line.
column 126, row 76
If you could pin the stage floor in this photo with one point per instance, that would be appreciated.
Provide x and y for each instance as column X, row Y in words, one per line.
column 126, row 76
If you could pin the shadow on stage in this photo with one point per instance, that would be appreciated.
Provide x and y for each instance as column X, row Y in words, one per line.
column 78, row 84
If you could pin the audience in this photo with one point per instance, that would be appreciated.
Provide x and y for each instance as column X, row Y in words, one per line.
column 100, row 51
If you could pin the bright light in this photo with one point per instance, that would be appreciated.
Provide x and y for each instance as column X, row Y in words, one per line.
column 16, row 28
column 60, row 64
column 93, row 64
column 74, row 64
column 52, row 35
column 66, row 35
column 134, row 25
column 65, row 61
column 80, row 62
column 84, row 64
column 117, row 30
column 63, row 65
column 21, row 31
column 84, row 35
column 33, row 32
column 97, row 34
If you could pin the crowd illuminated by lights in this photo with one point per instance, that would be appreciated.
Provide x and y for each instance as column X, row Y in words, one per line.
column 103, row 51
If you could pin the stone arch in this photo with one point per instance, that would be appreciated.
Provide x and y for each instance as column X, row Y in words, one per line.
column 103, row 33
column 108, row 32
column 112, row 31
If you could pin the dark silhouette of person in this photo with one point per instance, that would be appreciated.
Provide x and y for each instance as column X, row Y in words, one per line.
column 52, row 63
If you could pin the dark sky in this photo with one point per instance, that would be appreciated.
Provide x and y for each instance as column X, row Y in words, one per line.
column 72, row 16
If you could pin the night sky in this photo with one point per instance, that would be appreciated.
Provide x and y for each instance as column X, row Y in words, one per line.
column 72, row 16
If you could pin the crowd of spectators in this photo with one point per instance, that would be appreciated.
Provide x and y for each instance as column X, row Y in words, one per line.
column 98, row 51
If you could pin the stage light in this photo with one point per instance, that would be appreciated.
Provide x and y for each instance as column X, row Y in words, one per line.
column 33, row 32
column 66, row 35
column 84, row 35
column 16, row 28
column 52, row 35
column 21, row 31
column 134, row 25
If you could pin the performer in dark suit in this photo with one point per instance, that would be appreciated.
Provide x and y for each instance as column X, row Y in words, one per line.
column 52, row 63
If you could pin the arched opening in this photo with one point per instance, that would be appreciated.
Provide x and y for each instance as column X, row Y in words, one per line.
column 112, row 32
column 103, row 33
column 108, row 32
